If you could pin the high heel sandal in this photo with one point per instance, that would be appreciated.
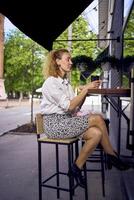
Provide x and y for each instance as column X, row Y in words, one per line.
column 77, row 174
column 114, row 160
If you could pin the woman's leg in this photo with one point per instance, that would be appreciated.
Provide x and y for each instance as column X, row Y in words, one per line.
column 98, row 121
column 96, row 133
column 92, row 137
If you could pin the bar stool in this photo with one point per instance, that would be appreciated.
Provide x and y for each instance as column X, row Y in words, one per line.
column 72, row 146
column 98, row 156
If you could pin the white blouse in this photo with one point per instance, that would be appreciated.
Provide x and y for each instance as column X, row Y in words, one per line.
column 56, row 95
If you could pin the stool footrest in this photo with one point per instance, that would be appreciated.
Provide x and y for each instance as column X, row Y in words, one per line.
column 56, row 187
column 53, row 175
column 93, row 170
column 43, row 184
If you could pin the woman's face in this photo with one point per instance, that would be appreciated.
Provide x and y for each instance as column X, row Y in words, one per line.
column 65, row 63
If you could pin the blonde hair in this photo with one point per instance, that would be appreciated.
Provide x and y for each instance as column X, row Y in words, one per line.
column 50, row 67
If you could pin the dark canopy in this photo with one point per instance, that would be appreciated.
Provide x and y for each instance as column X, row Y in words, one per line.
column 42, row 21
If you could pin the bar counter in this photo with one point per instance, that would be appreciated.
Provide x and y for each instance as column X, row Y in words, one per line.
column 121, row 92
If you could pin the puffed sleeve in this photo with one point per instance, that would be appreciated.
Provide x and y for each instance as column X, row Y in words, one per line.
column 54, row 92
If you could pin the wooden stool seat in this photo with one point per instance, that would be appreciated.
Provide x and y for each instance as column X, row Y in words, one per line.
column 63, row 141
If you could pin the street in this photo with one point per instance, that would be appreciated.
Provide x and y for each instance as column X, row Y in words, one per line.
column 15, row 115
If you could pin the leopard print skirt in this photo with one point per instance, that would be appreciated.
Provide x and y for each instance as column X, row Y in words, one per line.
column 64, row 125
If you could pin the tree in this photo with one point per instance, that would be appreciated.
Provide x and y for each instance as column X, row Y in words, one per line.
column 129, row 33
column 2, row 87
column 80, row 31
column 1, row 44
column 23, row 65
column 128, row 49
column 22, row 57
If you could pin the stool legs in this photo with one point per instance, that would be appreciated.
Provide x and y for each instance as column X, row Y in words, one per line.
column 72, row 155
column 102, row 161
column 39, row 171
column 102, row 172
column 84, row 168
column 57, row 170
column 70, row 158
column 86, row 186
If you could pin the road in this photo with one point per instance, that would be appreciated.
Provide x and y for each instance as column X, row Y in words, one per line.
column 13, row 116
column 14, row 113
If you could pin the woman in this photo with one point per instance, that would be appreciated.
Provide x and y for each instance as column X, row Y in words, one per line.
column 59, row 107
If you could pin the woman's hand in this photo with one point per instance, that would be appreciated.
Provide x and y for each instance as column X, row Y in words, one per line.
column 91, row 85
column 80, row 98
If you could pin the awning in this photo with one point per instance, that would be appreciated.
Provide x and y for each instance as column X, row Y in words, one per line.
column 42, row 21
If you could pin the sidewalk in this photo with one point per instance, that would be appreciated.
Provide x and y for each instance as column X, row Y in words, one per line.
column 19, row 169
column 15, row 114
column 19, row 173
column 16, row 103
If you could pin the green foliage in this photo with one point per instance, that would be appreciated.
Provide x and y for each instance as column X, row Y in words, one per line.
column 128, row 49
column 125, row 81
column 22, row 63
column 80, row 31
column 85, row 65
column 79, row 49
column 75, row 78
column 23, row 57
column 129, row 33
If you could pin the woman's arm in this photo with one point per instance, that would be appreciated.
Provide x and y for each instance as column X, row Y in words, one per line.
column 76, row 101
column 79, row 99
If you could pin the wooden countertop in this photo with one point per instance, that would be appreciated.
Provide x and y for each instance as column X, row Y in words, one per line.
column 111, row 92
